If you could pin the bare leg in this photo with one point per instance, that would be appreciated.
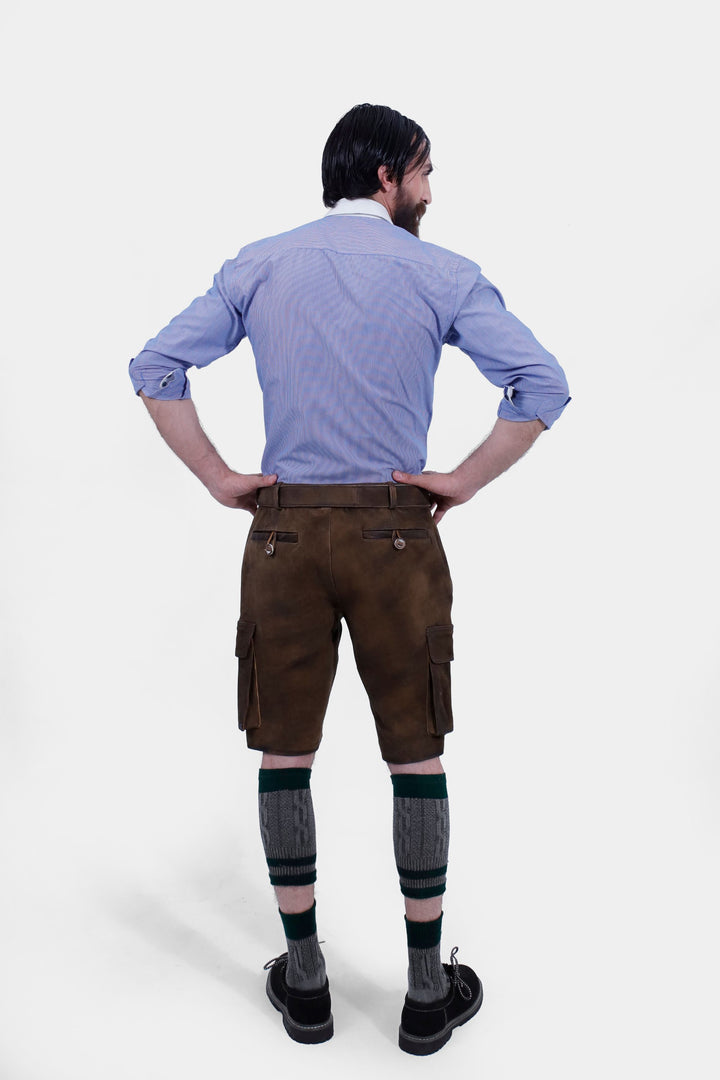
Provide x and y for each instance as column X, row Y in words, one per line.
column 291, row 899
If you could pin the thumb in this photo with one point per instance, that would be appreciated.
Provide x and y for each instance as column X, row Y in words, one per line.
column 267, row 481
column 405, row 478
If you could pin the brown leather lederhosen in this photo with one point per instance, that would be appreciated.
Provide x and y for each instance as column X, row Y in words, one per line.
column 366, row 553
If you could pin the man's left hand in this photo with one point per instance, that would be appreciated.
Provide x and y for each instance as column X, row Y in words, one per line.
column 239, row 490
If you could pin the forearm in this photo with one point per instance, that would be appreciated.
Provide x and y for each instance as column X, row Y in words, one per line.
column 179, row 425
column 506, row 444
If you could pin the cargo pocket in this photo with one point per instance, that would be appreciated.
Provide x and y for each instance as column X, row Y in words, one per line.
column 440, row 653
column 248, row 704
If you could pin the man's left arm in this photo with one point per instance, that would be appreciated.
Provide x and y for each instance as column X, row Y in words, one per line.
column 179, row 425
column 210, row 327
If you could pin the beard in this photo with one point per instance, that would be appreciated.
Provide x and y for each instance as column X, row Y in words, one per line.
column 407, row 215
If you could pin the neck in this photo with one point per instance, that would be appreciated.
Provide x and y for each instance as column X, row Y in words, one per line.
column 382, row 198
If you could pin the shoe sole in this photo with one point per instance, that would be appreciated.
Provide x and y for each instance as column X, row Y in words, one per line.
column 302, row 1033
column 429, row 1044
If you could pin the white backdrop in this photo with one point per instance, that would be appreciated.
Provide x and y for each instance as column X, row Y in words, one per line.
column 575, row 155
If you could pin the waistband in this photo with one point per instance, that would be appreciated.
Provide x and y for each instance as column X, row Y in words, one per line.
column 390, row 495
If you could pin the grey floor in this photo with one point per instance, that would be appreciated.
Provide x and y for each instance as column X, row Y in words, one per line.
column 136, row 916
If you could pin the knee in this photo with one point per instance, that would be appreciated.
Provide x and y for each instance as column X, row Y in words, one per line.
column 285, row 761
column 429, row 767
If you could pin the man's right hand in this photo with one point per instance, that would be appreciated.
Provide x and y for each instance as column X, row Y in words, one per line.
column 506, row 443
column 446, row 488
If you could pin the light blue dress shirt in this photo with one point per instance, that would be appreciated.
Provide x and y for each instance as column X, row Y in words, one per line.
column 347, row 317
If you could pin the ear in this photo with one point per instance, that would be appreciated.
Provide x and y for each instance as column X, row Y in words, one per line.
column 385, row 183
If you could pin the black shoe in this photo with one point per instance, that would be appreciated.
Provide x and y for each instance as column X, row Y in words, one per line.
column 306, row 1013
column 425, row 1028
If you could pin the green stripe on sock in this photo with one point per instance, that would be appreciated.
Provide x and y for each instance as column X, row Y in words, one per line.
column 283, row 780
column 299, row 926
column 418, row 875
column 423, row 935
column 309, row 861
column 422, row 894
column 308, row 878
column 419, row 786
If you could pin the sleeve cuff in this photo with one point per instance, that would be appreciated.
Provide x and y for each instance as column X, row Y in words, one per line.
column 521, row 405
column 164, row 385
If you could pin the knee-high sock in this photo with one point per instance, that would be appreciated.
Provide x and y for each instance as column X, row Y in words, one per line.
column 287, row 828
column 421, row 835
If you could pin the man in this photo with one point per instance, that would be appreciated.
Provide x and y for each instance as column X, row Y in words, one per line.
column 347, row 317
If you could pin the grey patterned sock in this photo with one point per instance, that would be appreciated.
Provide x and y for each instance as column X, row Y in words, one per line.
column 421, row 835
column 427, row 981
column 306, row 964
column 287, row 828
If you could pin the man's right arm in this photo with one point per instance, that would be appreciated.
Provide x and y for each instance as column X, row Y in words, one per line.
column 535, row 393
column 508, row 354
column 178, row 423
column 506, row 444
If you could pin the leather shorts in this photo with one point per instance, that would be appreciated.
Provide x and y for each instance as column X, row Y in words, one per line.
column 367, row 554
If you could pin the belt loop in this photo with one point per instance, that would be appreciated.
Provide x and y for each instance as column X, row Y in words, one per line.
column 274, row 490
column 392, row 495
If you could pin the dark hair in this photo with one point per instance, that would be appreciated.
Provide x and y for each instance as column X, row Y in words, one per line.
column 367, row 137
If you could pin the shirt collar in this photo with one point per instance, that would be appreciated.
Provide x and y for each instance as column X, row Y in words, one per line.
column 366, row 207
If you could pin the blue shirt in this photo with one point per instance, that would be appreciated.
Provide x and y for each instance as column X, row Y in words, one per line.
column 347, row 317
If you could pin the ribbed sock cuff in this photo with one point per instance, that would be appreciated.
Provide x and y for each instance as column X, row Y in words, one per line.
column 283, row 780
column 423, row 935
column 419, row 786
column 422, row 884
column 299, row 926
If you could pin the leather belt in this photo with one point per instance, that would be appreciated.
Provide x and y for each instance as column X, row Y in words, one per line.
column 391, row 494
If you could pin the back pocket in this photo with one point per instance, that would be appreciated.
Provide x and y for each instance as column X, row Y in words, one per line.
column 263, row 535
column 388, row 534
column 439, row 698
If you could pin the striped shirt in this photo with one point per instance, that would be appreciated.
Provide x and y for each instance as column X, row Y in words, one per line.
column 347, row 317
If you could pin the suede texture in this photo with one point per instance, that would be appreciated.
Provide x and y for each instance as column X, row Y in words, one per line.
column 424, row 1021
column 304, row 1007
column 381, row 570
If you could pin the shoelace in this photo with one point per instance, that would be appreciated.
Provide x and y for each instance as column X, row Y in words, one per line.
column 282, row 959
column 462, row 987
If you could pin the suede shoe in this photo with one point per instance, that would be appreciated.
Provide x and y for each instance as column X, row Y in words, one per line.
column 306, row 1013
column 425, row 1028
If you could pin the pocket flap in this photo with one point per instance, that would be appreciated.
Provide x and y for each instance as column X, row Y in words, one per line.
column 440, row 643
column 245, row 631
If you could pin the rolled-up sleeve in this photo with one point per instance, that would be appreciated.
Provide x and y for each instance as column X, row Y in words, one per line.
column 509, row 356
column 210, row 327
